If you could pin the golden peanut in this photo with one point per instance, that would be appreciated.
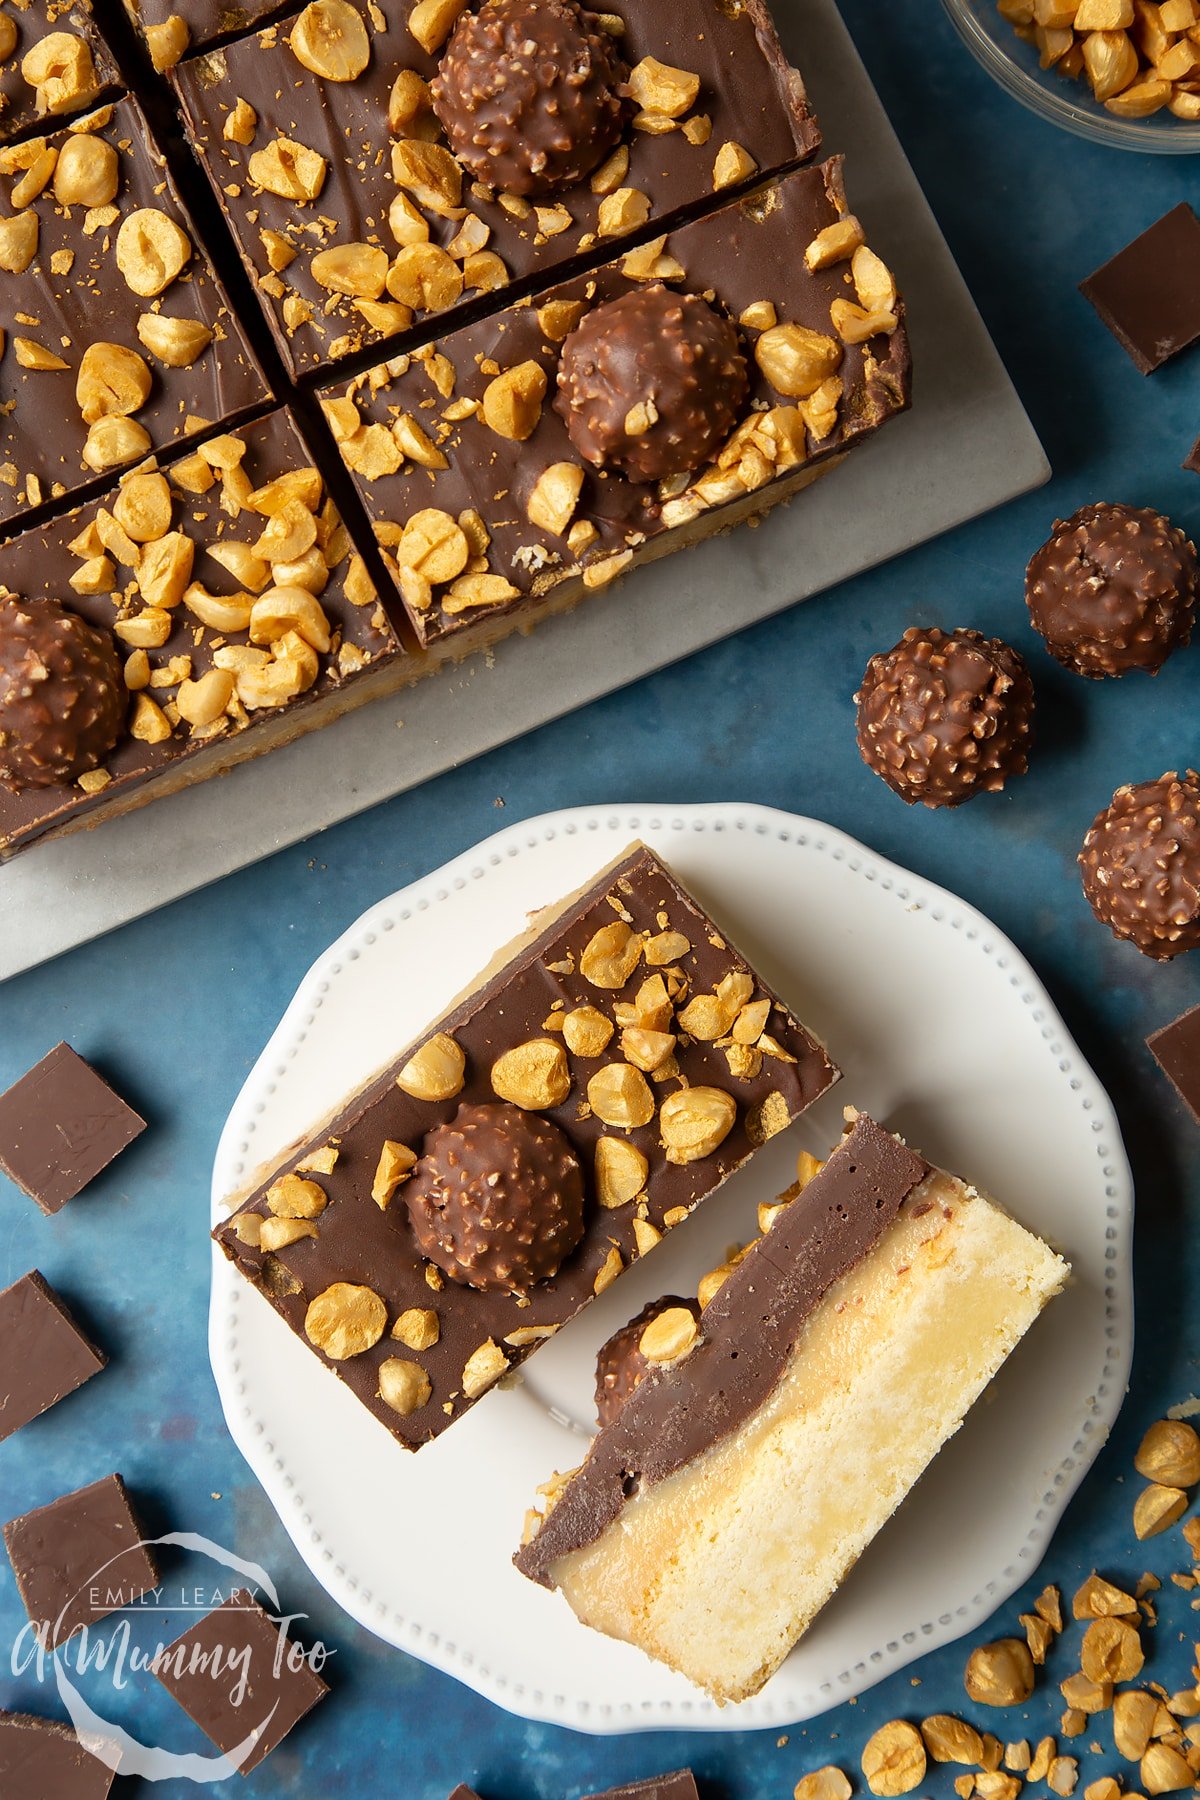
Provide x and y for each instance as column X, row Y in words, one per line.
column 152, row 250
column 359, row 270
column 1111, row 1651
column 1134, row 1715
column 477, row 590
column 950, row 1740
column 695, row 1121
column 408, row 100
column 111, row 379
column 167, row 42
column 433, row 545
column 873, row 281
column 435, row 1071
column 483, row 1368
column 203, row 701
column 1157, row 1508
column 1165, row 1770
column 345, row 1320
column 86, row 173
column 424, row 277
column 148, row 629
column 114, row 440
column 8, row 36
column 417, row 1327
column 620, row 1095
column 396, row 1164
column 645, row 1049
column 176, row 342
column 796, row 360
column 625, row 209
column 429, row 173
column 431, row 22
column 148, row 723
column 288, row 169
column 241, row 123
column 893, row 1759
column 833, row 244
column 828, row 1783
column 403, row 1385
column 533, row 1075
column 555, row 495
column 142, row 508
column 283, row 609
column 1170, row 1454
column 656, row 87
column 1100, row 1599
column 1000, row 1674
column 32, row 355
column 611, row 956
column 621, row 1171
column 512, row 401
column 732, row 164
column 277, row 1234
column 18, row 242
column 294, row 1196
column 586, row 1031
column 60, row 67
column 330, row 39
column 855, row 325
column 670, row 1336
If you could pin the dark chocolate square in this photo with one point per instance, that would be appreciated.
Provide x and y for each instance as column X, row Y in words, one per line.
column 43, row 1760
column 60, row 1126
column 43, row 1354
column 79, row 1559
column 281, row 1686
column 1149, row 294
column 1176, row 1049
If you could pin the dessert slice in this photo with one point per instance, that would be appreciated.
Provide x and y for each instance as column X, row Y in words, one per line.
column 604, row 1073
column 121, row 338
column 697, row 382
column 383, row 166
column 53, row 62
column 191, row 617
column 754, row 1461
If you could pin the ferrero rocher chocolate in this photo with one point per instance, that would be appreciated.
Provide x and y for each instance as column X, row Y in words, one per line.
column 652, row 383
column 527, row 94
column 943, row 716
column 620, row 1364
column 62, row 696
column 1113, row 589
column 1141, row 865
column 496, row 1201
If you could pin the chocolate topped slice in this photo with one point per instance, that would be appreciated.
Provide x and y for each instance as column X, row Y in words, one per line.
column 723, row 1505
column 236, row 613
column 530, row 458
column 639, row 1061
column 246, row 1718
column 1149, row 294
column 120, row 337
column 60, row 1127
column 43, row 1354
column 43, row 1760
column 323, row 138
column 53, row 62
column 79, row 1559
column 173, row 27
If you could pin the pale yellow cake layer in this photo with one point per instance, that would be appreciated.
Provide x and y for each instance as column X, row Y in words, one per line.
column 718, row 1570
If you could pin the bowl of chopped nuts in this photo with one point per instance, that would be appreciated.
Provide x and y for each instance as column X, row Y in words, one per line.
column 1123, row 72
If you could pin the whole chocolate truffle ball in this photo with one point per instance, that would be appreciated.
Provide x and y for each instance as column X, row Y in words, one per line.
column 527, row 94
column 945, row 715
column 652, row 383
column 620, row 1364
column 62, row 695
column 1114, row 589
column 1141, row 865
column 496, row 1200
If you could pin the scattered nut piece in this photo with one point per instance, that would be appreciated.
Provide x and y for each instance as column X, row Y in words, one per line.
column 483, row 1369
column 621, row 1171
column 403, row 1385
column 534, row 1075
column 670, row 1336
column 829, row 1783
column 695, row 1121
column 434, row 1072
column 1170, row 1454
column 621, row 1096
column 893, row 1759
column 1000, row 1674
column 417, row 1328
column 345, row 1320
column 396, row 1163
column 1157, row 1508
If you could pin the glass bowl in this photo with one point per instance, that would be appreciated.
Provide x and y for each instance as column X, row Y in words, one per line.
column 1014, row 64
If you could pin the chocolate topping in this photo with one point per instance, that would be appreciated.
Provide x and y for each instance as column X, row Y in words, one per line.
column 749, row 1330
column 496, row 1201
column 527, row 94
column 1114, row 589
column 943, row 716
column 79, row 1559
column 651, row 383
column 620, row 1365
column 1141, row 865
column 62, row 697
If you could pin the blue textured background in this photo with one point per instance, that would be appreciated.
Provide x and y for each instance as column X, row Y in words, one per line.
column 176, row 1008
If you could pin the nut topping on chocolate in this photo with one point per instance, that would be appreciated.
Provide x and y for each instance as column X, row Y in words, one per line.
column 1141, row 865
column 652, row 383
column 945, row 715
column 621, row 1363
column 1114, row 589
column 496, row 1201
column 62, row 697
column 527, row 94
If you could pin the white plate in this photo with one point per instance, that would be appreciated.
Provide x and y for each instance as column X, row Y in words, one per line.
column 943, row 1031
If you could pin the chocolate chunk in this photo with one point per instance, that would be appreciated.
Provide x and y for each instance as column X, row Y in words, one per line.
column 651, row 383
column 43, row 1760
column 1149, row 294
column 121, row 339
column 79, row 1559
column 943, row 716
column 245, row 1719
column 1176, row 1049
column 620, row 1365
column 1113, row 589
column 63, row 700
column 60, row 1126
column 53, row 62
column 583, row 967
column 527, row 94
column 1141, row 865
column 496, row 1201
column 43, row 1354
column 190, row 603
